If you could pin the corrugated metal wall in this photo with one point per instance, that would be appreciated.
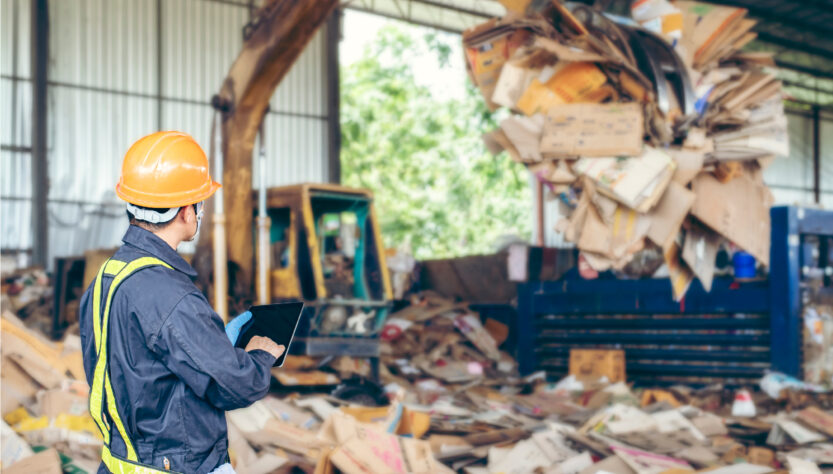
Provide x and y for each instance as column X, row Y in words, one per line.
column 15, row 120
column 120, row 69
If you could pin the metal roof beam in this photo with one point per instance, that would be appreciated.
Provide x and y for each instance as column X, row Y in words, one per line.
column 804, row 69
column 806, row 87
column 795, row 45
column 771, row 17
column 453, row 8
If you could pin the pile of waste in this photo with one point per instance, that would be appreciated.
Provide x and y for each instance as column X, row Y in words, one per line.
column 652, row 133
column 440, row 343
column 44, row 397
column 452, row 401
column 572, row 427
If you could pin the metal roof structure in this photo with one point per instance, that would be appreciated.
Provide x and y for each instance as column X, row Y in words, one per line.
column 799, row 33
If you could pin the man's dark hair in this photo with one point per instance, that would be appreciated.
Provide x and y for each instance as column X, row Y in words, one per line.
column 150, row 225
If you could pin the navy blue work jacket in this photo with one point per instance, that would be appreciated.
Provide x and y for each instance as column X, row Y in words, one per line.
column 173, row 370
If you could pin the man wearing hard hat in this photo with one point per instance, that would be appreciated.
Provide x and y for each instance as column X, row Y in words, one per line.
column 161, row 367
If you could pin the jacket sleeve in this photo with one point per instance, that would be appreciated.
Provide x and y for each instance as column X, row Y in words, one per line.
column 193, row 345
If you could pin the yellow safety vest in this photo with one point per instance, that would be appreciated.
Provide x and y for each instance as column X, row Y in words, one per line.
column 101, row 377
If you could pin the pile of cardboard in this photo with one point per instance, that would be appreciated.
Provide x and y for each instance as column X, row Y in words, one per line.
column 27, row 293
column 576, row 426
column 668, row 163
column 456, row 403
column 323, row 434
column 44, row 397
column 441, row 344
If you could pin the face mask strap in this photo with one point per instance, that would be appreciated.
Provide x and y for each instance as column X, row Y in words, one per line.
column 149, row 215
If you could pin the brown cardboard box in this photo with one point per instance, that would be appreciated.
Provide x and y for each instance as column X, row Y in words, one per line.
column 514, row 79
column 488, row 46
column 524, row 136
column 591, row 364
column 669, row 214
column 612, row 464
column 573, row 82
column 760, row 456
column 593, row 130
column 38, row 357
column 689, row 164
column 44, row 462
column 817, row 419
column 374, row 451
column 55, row 402
column 738, row 210
column 706, row 27
column 18, row 387
column 93, row 260
column 637, row 182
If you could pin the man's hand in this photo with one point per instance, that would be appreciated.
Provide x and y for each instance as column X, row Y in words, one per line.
column 265, row 344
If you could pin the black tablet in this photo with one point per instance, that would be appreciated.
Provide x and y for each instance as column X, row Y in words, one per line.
column 275, row 321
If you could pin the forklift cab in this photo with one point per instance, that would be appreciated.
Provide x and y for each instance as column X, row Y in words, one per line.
column 326, row 250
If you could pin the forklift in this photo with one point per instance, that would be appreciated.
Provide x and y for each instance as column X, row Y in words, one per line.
column 324, row 247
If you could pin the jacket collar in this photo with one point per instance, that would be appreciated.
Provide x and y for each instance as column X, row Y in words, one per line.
column 148, row 242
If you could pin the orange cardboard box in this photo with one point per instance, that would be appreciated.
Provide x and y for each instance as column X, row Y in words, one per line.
column 591, row 364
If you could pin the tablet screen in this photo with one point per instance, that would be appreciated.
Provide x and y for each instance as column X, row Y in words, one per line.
column 275, row 321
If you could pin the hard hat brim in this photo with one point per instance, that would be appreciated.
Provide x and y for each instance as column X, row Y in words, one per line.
column 164, row 201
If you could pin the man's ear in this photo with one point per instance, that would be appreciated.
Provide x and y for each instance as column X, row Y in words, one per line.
column 183, row 214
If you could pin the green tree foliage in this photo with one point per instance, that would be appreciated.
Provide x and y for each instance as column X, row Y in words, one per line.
column 436, row 186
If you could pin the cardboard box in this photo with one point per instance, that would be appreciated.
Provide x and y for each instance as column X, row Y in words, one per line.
column 313, row 377
column 368, row 450
column 55, row 402
column 571, row 82
column 487, row 47
column 643, row 462
column 13, row 447
column 738, row 210
column 668, row 216
column 705, row 28
column 593, row 130
column 39, row 358
column 591, row 364
column 44, row 462
column 637, row 182
column 524, row 134
column 817, row 419
column 514, row 79
column 611, row 464
column 688, row 163
column 760, row 456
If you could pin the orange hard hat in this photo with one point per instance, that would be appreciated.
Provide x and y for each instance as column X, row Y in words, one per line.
column 165, row 170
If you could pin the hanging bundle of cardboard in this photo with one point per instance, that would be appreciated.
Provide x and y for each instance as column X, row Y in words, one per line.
column 652, row 137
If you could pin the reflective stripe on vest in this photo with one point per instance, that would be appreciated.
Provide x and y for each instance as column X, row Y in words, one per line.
column 101, row 387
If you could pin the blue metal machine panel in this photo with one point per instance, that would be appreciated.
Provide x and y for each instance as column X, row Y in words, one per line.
column 737, row 331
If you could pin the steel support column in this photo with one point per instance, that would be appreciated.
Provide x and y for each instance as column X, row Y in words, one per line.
column 332, row 93
column 816, row 155
column 40, row 171
column 785, row 298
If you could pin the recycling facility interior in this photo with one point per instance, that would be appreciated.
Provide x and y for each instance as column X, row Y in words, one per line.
column 671, row 311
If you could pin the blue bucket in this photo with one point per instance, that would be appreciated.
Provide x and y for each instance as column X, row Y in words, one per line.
column 744, row 265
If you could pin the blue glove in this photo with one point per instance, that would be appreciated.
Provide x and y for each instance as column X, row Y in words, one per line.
column 235, row 325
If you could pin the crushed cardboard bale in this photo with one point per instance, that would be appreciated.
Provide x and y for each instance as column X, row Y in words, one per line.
column 649, row 138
